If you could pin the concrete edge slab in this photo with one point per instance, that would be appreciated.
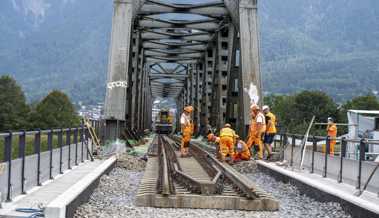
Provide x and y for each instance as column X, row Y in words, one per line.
column 57, row 208
column 356, row 206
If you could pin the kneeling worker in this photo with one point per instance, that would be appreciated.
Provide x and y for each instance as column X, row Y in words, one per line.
column 227, row 141
column 187, row 130
column 242, row 151
column 216, row 141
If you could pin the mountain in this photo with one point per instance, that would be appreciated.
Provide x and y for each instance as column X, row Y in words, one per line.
column 55, row 44
column 305, row 44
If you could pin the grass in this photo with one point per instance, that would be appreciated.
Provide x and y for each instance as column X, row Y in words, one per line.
column 29, row 144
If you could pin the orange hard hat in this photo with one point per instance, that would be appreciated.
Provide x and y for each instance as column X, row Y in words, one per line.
column 188, row 109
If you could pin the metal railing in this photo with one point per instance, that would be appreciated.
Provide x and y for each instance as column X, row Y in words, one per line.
column 285, row 140
column 19, row 145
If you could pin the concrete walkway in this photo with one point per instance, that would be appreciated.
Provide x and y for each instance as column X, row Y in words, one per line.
column 367, row 200
column 55, row 189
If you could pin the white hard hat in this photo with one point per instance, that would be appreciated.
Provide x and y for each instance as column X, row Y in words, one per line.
column 265, row 107
column 330, row 119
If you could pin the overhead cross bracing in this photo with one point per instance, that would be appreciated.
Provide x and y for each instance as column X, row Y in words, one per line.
column 201, row 52
column 167, row 37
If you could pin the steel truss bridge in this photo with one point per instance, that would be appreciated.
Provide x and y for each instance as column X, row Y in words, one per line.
column 203, row 55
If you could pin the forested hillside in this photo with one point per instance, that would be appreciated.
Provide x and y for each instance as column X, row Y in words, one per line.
column 305, row 44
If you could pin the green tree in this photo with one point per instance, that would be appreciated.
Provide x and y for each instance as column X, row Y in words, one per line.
column 13, row 107
column 366, row 102
column 295, row 112
column 312, row 103
column 55, row 111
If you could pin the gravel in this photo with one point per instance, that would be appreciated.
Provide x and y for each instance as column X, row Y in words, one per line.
column 114, row 197
column 130, row 162
column 293, row 204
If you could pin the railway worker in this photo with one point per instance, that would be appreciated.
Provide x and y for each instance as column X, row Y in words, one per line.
column 256, row 130
column 187, row 130
column 242, row 151
column 216, row 140
column 227, row 141
column 270, row 130
column 332, row 133
column 212, row 138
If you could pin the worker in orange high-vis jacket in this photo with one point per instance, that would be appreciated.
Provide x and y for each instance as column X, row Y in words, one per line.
column 216, row 140
column 332, row 133
column 227, row 141
column 242, row 151
column 256, row 130
column 187, row 130
column 270, row 130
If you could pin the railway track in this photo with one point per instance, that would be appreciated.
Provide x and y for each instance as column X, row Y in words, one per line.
column 199, row 181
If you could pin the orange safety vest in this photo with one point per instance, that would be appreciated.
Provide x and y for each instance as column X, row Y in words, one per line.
column 332, row 130
column 271, row 129
column 227, row 132
column 254, row 124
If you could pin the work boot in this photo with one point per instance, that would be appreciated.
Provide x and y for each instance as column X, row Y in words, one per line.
column 268, row 157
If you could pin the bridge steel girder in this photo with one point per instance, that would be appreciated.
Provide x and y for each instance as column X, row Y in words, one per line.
column 234, row 92
column 196, row 96
column 153, row 35
column 115, row 110
column 205, row 25
column 157, row 45
column 224, row 40
column 209, row 69
column 133, row 81
column 250, row 59
column 141, row 87
column 210, row 10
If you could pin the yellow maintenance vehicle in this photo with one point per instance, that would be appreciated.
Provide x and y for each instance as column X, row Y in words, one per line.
column 163, row 122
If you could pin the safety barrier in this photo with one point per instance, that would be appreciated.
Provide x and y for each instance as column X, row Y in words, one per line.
column 290, row 142
column 37, row 156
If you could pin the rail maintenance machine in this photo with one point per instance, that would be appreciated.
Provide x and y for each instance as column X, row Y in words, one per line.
column 163, row 123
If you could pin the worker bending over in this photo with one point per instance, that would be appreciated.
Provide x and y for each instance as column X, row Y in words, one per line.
column 242, row 151
column 332, row 133
column 213, row 138
column 270, row 130
column 216, row 140
column 187, row 130
column 227, row 141
column 256, row 130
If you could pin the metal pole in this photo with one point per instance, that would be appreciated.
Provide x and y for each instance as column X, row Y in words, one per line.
column 285, row 139
column 21, row 154
column 37, row 147
column 327, row 150
column 60, row 144
column 76, row 145
column 343, row 153
column 8, row 158
column 50, row 135
column 86, row 139
column 68, row 143
column 313, row 154
column 362, row 148
column 81, row 138
column 292, row 147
